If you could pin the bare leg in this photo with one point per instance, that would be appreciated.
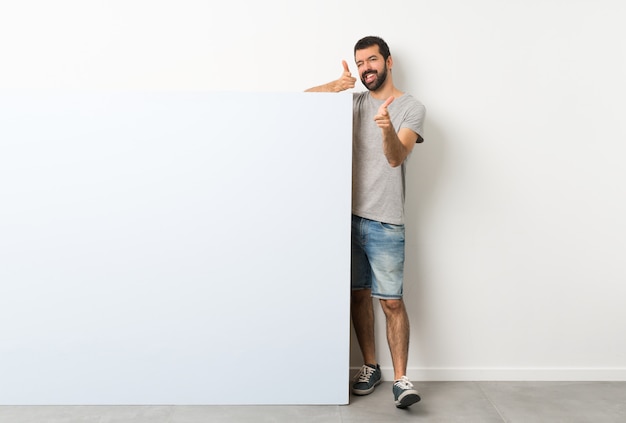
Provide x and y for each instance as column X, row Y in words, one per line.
column 397, row 334
column 362, row 310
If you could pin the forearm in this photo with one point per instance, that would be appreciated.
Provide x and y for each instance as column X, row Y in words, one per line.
column 330, row 87
column 394, row 150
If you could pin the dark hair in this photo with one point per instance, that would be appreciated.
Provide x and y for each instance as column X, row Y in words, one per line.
column 373, row 41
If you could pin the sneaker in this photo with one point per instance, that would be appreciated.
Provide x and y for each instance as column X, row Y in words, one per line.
column 366, row 380
column 404, row 393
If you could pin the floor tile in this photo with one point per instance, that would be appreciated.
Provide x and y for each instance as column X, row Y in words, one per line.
column 569, row 402
column 256, row 414
column 135, row 414
column 49, row 414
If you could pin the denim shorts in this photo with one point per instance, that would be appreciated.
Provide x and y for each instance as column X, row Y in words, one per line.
column 377, row 257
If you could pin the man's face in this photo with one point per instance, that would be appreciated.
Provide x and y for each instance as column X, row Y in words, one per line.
column 372, row 67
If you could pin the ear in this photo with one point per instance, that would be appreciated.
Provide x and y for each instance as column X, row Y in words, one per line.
column 389, row 62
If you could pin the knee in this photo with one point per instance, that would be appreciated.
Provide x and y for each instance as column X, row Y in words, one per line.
column 392, row 306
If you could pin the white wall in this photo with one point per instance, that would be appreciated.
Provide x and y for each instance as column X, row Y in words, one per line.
column 515, row 229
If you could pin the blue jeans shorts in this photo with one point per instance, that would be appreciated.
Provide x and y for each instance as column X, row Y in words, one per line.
column 377, row 257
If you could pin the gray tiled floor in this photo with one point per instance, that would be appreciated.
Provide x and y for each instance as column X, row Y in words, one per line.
column 486, row 402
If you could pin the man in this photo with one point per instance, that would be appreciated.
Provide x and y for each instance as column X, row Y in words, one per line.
column 386, row 125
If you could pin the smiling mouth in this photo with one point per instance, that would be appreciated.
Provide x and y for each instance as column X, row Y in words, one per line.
column 369, row 77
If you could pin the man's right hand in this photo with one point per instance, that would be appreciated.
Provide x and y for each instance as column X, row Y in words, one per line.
column 346, row 81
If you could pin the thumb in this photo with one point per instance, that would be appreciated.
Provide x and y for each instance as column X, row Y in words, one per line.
column 345, row 66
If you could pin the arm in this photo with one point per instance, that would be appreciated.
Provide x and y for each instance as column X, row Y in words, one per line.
column 345, row 82
column 396, row 145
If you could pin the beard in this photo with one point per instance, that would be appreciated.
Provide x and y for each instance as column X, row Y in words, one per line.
column 376, row 83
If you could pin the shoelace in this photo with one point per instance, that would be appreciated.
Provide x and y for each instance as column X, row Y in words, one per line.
column 404, row 383
column 365, row 374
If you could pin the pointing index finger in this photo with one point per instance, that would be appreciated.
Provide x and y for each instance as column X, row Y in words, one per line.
column 388, row 101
